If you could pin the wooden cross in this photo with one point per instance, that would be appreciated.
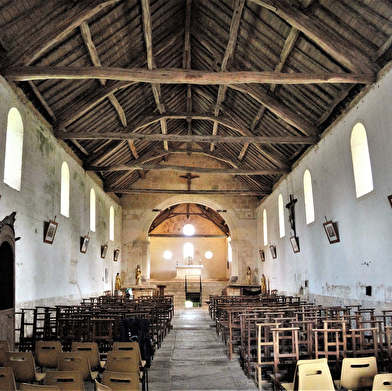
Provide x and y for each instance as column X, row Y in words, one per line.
column 189, row 178
column 290, row 207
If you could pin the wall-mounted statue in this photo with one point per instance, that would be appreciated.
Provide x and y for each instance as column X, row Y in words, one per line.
column 248, row 278
column 138, row 275
column 118, row 282
column 263, row 284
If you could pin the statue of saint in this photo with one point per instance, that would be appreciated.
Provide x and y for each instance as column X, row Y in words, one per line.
column 138, row 275
column 117, row 284
column 263, row 285
column 248, row 279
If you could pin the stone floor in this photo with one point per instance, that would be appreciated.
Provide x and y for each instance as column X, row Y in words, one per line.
column 193, row 358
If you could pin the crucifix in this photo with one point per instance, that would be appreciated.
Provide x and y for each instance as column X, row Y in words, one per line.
column 290, row 207
column 189, row 178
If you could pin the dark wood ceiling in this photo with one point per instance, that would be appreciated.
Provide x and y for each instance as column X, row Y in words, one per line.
column 250, row 83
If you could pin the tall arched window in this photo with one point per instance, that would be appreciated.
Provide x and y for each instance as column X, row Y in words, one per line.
column 13, row 149
column 64, row 203
column 92, row 210
column 308, row 193
column 363, row 176
column 188, row 253
column 265, row 233
column 111, row 223
column 281, row 216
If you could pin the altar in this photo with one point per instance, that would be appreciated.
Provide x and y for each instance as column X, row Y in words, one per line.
column 187, row 270
column 143, row 290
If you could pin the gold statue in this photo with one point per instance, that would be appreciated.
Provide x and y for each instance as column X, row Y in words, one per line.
column 248, row 279
column 263, row 285
column 118, row 283
column 138, row 275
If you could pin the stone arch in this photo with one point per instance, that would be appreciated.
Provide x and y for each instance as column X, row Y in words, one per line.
column 145, row 223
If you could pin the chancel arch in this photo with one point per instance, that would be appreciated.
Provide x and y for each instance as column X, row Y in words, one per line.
column 147, row 221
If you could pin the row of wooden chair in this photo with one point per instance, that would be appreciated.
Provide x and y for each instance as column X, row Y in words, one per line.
column 93, row 320
column 81, row 364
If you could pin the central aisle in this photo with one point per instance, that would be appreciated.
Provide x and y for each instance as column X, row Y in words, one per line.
column 192, row 357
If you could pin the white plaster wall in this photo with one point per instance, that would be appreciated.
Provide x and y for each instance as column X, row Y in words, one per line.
column 336, row 272
column 59, row 272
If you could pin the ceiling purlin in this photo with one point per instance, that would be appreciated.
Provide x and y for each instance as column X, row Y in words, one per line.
column 156, row 88
column 233, row 34
column 333, row 44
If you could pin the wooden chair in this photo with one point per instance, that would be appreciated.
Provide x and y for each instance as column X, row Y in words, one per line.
column 46, row 353
column 23, row 366
column 314, row 376
column 37, row 387
column 7, row 379
column 382, row 382
column 357, row 373
column 65, row 380
column 76, row 361
column 92, row 352
column 101, row 387
column 118, row 381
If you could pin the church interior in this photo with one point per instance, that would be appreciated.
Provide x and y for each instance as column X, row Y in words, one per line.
column 224, row 159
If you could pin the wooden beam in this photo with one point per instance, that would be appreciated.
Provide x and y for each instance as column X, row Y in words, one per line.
column 55, row 31
column 323, row 36
column 196, row 192
column 182, row 76
column 198, row 170
column 184, row 138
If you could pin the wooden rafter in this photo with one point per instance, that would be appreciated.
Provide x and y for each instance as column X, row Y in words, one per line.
column 37, row 44
column 233, row 34
column 327, row 39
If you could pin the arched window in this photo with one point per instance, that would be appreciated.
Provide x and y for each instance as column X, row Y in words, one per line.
column 111, row 223
column 308, row 193
column 363, row 176
column 188, row 253
column 281, row 216
column 64, row 207
column 92, row 210
column 265, row 233
column 229, row 250
column 13, row 150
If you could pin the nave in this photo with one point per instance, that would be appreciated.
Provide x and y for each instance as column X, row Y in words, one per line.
column 193, row 357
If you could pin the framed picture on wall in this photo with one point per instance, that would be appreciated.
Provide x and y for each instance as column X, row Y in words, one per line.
column 262, row 255
column 331, row 231
column 85, row 240
column 273, row 251
column 116, row 254
column 104, row 250
column 294, row 244
column 50, row 231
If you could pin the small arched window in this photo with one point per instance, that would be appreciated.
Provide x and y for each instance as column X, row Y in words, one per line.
column 363, row 176
column 281, row 216
column 265, row 233
column 308, row 193
column 111, row 223
column 64, row 203
column 92, row 210
column 13, row 150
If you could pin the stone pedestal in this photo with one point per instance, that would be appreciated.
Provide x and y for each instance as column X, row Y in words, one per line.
column 188, row 270
column 241, row 289
column 143, row 290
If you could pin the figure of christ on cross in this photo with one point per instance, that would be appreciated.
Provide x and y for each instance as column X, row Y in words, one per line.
column 290, row 207
column 189, row 178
